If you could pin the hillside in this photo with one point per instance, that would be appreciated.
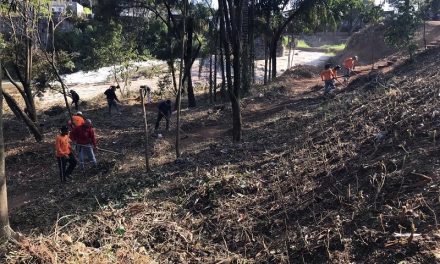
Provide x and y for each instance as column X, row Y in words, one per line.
column 369, row 43
column 348, row 179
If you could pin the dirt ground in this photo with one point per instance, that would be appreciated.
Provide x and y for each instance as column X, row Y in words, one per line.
column 350, row 178
column 369, row 44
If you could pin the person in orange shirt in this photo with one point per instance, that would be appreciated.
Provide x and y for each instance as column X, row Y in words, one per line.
column 78, row 119
column 349, row 65
column 328, row 76
column 64, row 154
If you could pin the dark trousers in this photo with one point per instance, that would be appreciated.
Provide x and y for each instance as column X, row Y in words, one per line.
column 111, row 104
column 160, row 115
column 329, row 85
column 65, row 170
column 76, row 105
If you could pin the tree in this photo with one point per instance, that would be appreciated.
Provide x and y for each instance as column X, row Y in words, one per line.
column 231, row 32
column 5, row 230
column 435, row 9
column 373, row 15
column 402, row 27
column 348, row 11
column 179, row 97
column 23, row 19
column 277, row 19
column 114, row 48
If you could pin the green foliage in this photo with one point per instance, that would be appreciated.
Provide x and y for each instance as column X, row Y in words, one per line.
column 164, row 86
column 372, row 14
column 402, row 27
column 334, row 48
column 302, row 44
column 114, row 48
column 87, row 11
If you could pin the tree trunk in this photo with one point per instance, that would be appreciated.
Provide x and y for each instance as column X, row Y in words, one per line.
column 424, row 30
column 15, row 108
column 5, row 230
column 173, row 74
column 245, row 65
column 28, row 78
column 210, row 80
column 372, row 46
column 236, row 120
column 233, row 24
column 179, row 94
column 273, row 58
column 251, row 40
column 146, row 144
column 290, row 53
column 171, row 60
column 265, row 62
column 222, row 60
column 215, row 73
column 188, row 59
column 269, row 74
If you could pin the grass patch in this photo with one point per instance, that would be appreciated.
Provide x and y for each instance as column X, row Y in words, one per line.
column 333, row 49
column 330, row 49
column 302, row 44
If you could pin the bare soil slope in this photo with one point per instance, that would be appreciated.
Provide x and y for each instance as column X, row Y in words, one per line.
column 369, row 45
column 348, row 179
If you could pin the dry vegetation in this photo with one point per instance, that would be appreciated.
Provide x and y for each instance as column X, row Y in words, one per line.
column 348, row 179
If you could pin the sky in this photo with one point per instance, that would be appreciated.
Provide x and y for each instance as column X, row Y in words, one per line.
column 214, row 3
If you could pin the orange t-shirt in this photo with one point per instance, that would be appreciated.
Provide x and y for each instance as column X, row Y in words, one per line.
column 62, row 146
column 349, row 63
column 78, row 120
column 327, row 75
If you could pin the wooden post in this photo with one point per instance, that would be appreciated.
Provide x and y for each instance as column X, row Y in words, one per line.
column 144, row 112
column 5, row 230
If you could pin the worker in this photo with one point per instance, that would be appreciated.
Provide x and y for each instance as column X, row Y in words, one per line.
column 349, row 65
column 78, row 119
column 75, row 99
column 85, row 140
column 335, row 72
column 336, row 69
column 64, row 154
column 112, row 99
column 328, row 77
column 164, row 110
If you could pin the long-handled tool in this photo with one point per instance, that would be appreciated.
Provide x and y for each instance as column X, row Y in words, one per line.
column 340, row 82
column 109, row 151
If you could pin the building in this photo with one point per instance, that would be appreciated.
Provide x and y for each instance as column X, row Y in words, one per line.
column 67, row 6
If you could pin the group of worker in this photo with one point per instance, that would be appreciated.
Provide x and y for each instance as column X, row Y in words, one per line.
column 110, row 93
column 77, row 138
column 330, row 73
